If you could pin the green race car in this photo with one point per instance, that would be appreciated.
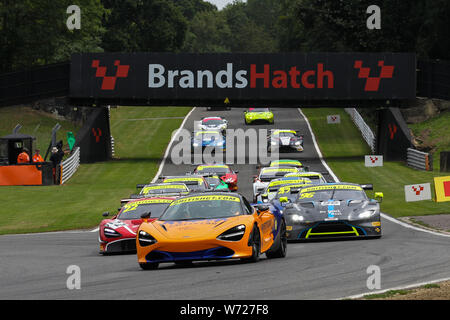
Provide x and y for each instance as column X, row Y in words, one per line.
column 258, row 115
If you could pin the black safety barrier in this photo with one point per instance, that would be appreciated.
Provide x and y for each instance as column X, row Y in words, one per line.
column 94, row 138
column 393, row 136
column 278, row 79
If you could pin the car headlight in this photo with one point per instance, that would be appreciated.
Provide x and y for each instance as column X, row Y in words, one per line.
column 111, row 233
column 233, row 234
column 297, row 143
column 297, row 218
column 145, row 239
column 274, row 143
column 195, row 144
column 366, row 214
column 219, row 143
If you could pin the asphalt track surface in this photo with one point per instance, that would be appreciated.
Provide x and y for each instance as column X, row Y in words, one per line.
column 33, row 266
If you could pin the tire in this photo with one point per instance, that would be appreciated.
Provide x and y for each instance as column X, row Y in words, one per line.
column 256, row 246
column 149, row 265
column 278, row 249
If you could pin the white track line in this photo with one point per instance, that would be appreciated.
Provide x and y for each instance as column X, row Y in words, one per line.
column 357, row 296
column 316, row 146
column 336, row 179
column 166, row 154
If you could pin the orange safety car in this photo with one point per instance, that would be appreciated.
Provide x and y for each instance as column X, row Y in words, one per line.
column 210, row 226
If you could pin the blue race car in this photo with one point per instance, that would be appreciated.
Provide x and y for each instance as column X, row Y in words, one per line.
column 203, row 139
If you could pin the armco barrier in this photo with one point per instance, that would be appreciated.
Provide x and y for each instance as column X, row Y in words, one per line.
column 419, row 160
column 70, row 165
column 366, row 132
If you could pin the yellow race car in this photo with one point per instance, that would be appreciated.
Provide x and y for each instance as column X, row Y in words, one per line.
column 210, row 226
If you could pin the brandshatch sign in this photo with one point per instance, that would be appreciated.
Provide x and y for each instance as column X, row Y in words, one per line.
column 243, row 78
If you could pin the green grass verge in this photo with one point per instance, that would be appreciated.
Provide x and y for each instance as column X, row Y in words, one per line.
column 435, row 132
column 35, row 123
column 97, row 187
column 343, row 149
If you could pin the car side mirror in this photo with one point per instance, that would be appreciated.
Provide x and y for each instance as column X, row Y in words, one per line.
column 284, row 200
column 105, row 214
column 261, row 208
column 146, row 215
column 379, row 196
column 236, row 171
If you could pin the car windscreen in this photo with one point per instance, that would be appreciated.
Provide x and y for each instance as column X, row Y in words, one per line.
column 336, row 194
column 218, row 170
column 276, row 172
column 133, row 210
column 258, row 110
column 213, row 122
column 284, row 134
column 203, row 207
column 164, row 189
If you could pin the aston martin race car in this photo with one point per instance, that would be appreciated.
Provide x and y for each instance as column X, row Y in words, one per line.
column 193, row 182
column 118, row 233
column 333, row 210
column 258, row 115
column 271, row 190
column 209, row 138
column 214, row 124
column 284, row 140
column 315, row 177
column 158, row 190
column 267, row 174
column 223, row 171
column 210, row 226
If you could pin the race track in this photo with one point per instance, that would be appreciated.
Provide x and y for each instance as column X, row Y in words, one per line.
column 33, row 266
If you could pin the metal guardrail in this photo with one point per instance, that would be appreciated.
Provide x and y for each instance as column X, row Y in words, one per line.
column 70, row 165
column 419, row 160
column 113, row 152
column 366, row 132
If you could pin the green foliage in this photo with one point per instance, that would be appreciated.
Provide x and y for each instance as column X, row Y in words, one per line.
column 134, row 26
column 34, row 32
column 328, row 25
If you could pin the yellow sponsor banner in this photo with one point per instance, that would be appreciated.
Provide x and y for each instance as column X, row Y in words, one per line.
column 331, row 187
column 280, row 170
column 281, row 162
column 287, row 189
column 131, row 206
column 442, row 188
column 199, row 180
column 277, row 183
column 205, row 198
column 212, row 166
column 282, row 131
column 169, row 186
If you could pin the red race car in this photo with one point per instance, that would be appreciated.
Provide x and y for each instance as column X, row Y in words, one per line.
column 118, row 234
column 223, row 171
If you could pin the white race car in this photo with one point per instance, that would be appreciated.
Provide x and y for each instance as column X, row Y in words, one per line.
column 267, row 174
column 214, row 124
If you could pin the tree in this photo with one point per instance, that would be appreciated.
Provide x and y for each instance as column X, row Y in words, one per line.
column 151, row 25
column 34, row 32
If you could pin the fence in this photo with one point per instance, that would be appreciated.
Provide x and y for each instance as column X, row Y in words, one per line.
column 366, row 132
column 419, row 160
column 70, row 165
